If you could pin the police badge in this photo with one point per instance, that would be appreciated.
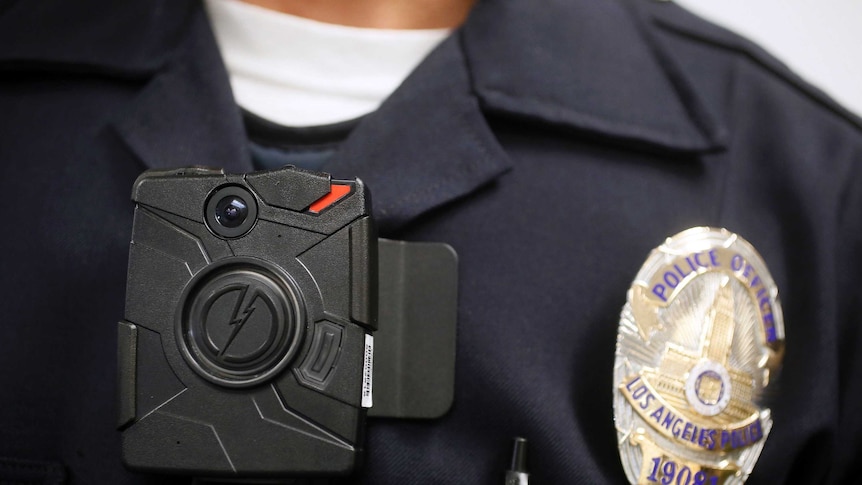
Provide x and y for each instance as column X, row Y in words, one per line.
column 700, row 336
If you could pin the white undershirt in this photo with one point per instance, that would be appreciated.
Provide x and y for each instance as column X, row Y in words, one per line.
column 299, row 72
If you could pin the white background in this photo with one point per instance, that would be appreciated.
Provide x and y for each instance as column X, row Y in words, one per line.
column 819, row 39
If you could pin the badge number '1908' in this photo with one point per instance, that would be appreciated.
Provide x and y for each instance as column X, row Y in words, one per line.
column 700, row 336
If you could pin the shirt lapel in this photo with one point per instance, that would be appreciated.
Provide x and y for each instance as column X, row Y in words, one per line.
column 605, row 75
column 186, row 114
column 427, row 145
column 595, row 66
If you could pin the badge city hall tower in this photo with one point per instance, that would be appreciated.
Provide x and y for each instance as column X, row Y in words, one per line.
column 700, row 336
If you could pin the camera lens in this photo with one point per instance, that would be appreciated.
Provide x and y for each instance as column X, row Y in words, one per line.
column 231, row 211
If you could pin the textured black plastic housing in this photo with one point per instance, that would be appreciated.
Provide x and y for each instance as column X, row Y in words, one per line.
column 242, row 350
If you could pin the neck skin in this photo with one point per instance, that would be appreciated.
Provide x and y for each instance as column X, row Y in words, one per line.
column 376, row 14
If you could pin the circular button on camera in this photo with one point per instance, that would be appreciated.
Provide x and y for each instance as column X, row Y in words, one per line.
column 241, row 323
column 230, row 211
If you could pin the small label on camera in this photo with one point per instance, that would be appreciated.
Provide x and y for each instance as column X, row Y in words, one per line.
column 367, row 370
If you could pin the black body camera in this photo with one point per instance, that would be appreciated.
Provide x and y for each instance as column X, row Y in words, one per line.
column 248, row 346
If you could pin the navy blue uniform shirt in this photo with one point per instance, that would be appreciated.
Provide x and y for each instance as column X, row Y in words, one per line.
column 552, row 144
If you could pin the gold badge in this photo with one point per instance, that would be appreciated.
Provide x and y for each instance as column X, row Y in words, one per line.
column 700, row 336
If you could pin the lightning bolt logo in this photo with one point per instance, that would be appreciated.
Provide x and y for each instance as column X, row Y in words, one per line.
column 237, row 321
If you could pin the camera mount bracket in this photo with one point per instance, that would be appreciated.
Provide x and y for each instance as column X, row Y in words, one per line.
column 414, row 368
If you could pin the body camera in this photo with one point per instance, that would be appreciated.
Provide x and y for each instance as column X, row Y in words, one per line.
column 246, row 347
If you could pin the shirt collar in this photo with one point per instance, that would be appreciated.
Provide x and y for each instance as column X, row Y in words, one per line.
column 593, row 65
column 92, row 35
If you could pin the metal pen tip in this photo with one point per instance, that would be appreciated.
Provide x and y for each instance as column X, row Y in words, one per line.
column 517, row 474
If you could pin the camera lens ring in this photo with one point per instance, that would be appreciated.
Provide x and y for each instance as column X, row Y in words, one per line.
column 230, row 211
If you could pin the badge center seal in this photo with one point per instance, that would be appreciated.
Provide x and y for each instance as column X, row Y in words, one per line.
column 700, row 337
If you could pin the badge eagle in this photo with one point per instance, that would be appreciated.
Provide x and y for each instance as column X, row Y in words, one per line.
column 700, row 336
